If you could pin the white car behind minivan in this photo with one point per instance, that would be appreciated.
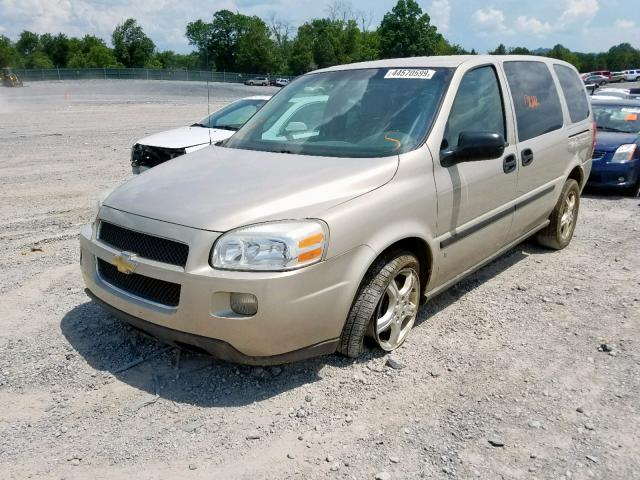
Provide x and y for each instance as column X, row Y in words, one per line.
column 155, row 149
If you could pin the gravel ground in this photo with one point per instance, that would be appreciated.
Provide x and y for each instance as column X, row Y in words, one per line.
column 503, row 377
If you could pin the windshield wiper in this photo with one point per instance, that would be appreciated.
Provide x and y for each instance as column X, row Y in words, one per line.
column 611, row 129
column 200, row 125
column 226, row 127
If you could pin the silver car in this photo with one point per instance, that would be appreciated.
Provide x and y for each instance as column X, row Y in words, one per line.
column 392, row 181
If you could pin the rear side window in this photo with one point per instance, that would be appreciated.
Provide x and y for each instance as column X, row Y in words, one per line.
column 574, row 93
column 535, row 98
column 477, row 106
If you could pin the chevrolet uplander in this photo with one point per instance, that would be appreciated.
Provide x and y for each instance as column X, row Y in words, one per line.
column 307, row 234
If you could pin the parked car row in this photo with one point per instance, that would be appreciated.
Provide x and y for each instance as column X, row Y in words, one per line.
column 611, row 77
column 343, row 204
column 265, row 81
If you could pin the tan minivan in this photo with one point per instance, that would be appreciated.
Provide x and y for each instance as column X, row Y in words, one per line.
column 304, row 235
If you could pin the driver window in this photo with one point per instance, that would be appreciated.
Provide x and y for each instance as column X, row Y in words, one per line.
column 477, row 106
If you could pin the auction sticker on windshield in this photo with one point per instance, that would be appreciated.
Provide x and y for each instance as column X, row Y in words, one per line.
column 410, row 73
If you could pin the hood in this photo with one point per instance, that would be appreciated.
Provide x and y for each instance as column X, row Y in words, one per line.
column 185, row 137
column 610, row 141
column 219, row 189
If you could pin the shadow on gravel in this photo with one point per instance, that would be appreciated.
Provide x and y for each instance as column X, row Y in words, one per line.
column 111, row 346
column 605, row 194
column 460, row 289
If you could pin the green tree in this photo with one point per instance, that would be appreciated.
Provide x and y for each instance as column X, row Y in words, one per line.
column 57, row 48
column 519, row 51
column 199, row 34
column 39, row 60
column 27, row 43
column 623, row 57
column 500, row 50
column 406, row 31
column 101, row 56
column 233, row 42
column 77, row 60
column 255, row 48
column 131, row 46
column 9, row 56
column 324, row 42
column 562, row 53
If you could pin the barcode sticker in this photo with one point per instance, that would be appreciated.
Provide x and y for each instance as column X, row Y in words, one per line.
column 410, row 73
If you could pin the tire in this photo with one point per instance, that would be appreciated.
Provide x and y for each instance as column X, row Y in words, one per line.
column 558, row 234
column 603, row 83
column 370, row 298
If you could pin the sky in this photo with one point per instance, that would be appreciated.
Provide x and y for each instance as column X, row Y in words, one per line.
column 581, row 25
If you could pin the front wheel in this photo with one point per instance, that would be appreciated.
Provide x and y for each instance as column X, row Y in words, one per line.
column 558, row 234
column 386, row 305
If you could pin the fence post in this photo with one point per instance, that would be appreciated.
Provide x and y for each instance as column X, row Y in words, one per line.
column 105, row 72
column 147, row 73
column 58, row 68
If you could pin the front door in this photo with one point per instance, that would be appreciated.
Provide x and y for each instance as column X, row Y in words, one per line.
column 474, row 211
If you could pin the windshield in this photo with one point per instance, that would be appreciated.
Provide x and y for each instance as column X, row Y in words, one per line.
column 233, row 116
column 349, row 113
column 617, row 118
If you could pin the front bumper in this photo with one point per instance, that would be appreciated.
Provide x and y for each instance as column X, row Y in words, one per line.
column 301, row 313
column 614, row 175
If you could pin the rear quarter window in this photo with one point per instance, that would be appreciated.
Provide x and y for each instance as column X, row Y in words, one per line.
column 574, row 93
column 535, row 98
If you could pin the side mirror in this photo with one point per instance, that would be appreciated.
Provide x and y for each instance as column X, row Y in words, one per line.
column 296, row 127
column 472, row 147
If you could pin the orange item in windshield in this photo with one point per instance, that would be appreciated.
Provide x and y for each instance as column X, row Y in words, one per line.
column 631, row 117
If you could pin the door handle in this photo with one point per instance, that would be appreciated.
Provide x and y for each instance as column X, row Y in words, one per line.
column 527, row 157
column 509, row 163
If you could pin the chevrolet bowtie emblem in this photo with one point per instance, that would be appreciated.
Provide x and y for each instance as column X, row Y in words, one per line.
column 125, row 262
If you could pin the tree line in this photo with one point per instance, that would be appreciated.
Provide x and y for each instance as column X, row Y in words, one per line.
column 235, row 42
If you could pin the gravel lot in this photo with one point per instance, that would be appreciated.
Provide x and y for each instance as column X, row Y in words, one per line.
column 503, row 376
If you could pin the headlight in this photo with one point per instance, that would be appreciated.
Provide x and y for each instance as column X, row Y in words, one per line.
column 624, row 153
column 272, row 246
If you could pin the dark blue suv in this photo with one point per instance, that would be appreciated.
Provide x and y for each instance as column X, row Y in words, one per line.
column 616, row 157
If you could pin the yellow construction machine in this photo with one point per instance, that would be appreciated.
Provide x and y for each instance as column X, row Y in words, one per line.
column 10, row 79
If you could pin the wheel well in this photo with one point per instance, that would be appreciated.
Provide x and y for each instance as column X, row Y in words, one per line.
column 420, row 249
column 578, row 175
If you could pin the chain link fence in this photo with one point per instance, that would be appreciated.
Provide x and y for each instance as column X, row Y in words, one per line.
column 138, row 74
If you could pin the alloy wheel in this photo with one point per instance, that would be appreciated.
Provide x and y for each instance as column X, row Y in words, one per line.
column 569, row 215
column 397, row 310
